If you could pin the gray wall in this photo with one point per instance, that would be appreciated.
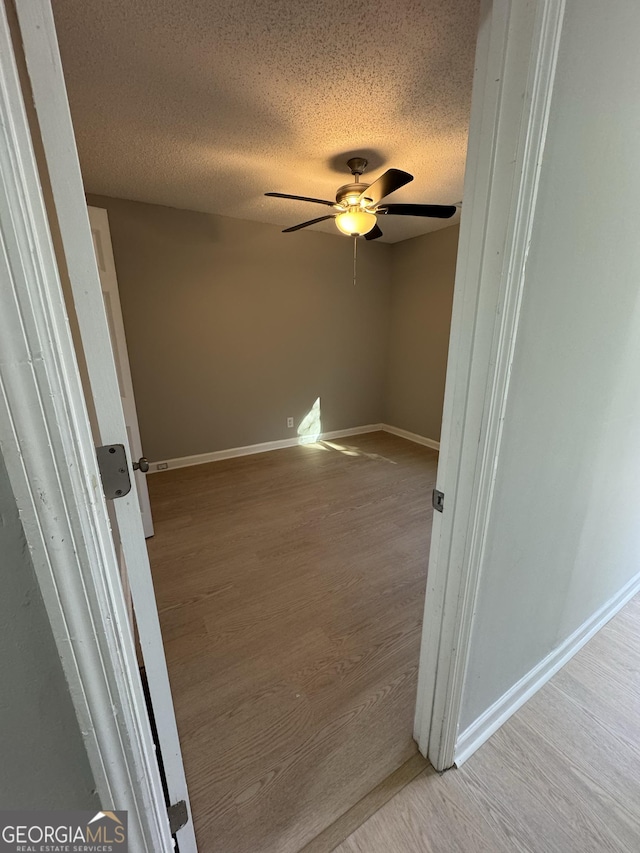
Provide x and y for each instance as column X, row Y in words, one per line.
column 233, row 326
column 43, row 763
column 423, row 274
column 564, row 535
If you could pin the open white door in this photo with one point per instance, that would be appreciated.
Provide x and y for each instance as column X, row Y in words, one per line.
column 99, row 220
column 50, row 100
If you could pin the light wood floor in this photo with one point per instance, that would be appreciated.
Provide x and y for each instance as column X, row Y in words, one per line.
column 290, row 587
column 561, row 776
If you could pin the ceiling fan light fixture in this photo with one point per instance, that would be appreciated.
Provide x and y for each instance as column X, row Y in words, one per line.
column 356, row 222
column 353, row 200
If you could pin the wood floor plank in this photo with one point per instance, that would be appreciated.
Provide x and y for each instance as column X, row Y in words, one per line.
column 616, row 708
column 561, row 776
column 337, row 832
column 583, row 744
column 432, row 814
column 290, row 588
column 539, row 789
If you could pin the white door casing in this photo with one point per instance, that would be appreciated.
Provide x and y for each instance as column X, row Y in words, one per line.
column 99, row 221
column 56, row 130
column 513, row 84
column 47, row 445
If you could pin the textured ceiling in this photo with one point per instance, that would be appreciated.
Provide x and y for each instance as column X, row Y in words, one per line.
column 208, row 104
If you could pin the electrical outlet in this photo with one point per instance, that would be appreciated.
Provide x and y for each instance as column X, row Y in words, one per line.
column 162, row 466
column 289, row 422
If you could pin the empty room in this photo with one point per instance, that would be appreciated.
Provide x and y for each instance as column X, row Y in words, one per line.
column 285, row 388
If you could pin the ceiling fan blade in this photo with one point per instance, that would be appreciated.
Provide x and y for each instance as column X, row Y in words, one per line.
column 386, row 184
column 438, row 211
column 374, row 233
column 301, row 198
column 310, row 222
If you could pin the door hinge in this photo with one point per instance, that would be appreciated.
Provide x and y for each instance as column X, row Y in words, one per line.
column 178, row 816
column 114, row 470
column 438, row 500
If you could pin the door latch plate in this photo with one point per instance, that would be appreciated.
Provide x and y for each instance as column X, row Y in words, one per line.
column 178, row 816
column 437, row 500
column 114, row 470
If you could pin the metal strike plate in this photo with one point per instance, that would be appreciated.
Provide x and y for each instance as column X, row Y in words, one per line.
column 437, row 500
column 114, row 471
column 178, row 816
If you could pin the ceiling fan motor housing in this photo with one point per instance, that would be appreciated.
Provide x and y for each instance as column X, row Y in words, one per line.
column 349, row 194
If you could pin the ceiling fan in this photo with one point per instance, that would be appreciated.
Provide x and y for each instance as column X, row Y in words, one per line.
column 358, row 205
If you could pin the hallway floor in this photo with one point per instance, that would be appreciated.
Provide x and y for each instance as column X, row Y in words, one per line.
column 290, row 587
column 561, row 776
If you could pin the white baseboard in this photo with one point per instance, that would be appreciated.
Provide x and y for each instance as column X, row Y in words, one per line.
column 249, row 449
column 264, row 447
column 481, row 730
column 411, row 436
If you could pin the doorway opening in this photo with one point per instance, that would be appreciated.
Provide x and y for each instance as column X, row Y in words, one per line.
column 290, row 584
column 356, row 454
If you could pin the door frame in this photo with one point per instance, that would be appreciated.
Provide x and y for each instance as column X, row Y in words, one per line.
column 46, row 440
column 101, row 233
column 516, row 58
column 61, row 170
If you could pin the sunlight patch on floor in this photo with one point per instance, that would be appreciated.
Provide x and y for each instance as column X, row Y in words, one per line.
column 352, row 450
column 310, row 430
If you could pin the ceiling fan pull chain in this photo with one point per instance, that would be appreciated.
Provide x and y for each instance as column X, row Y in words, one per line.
column 355, row 257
